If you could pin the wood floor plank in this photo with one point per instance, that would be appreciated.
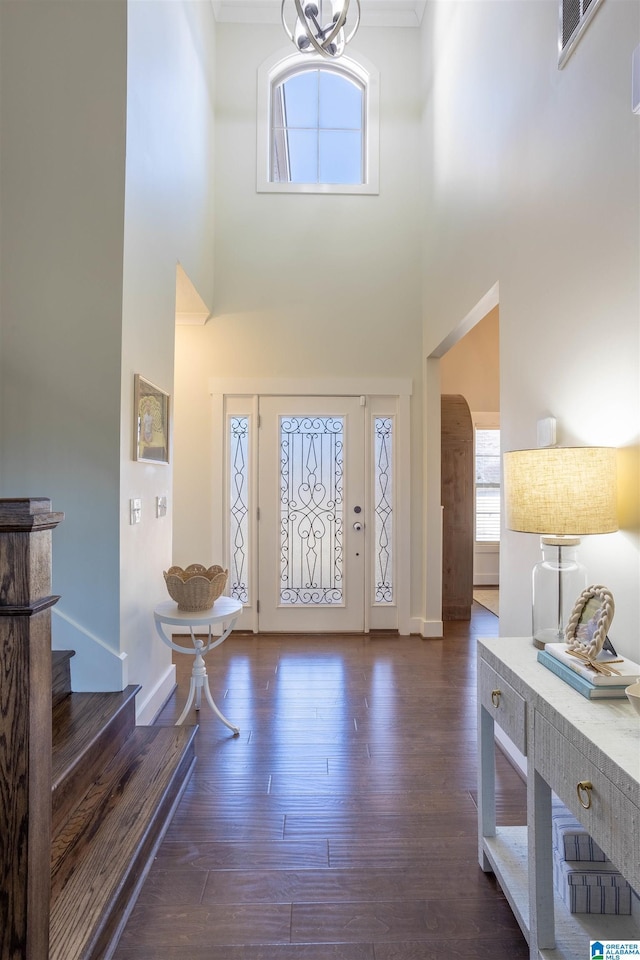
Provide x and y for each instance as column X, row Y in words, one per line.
column 341, row 824
column 245, row 854
column 326, row 885
column 512, row 948
column 299, row 765
column 198, row 802
column 380, row 827
column 446, row 777
column 281, row 951
column 248, row 783
column 385, row 920
column 194, row 924
column 181, row 886
column 428, row 853
column 226, row 828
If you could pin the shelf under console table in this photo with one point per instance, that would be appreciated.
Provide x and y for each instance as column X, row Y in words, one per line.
column 567, row 740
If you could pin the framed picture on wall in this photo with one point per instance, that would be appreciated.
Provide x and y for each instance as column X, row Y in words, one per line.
column 151, row 423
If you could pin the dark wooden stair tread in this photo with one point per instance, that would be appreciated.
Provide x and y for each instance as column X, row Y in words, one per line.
column 77, row 721
column 88, row 730
column 101, row 853
column 114, row 789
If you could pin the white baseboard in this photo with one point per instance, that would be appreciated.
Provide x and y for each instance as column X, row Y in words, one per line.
column 432, row 629
column 148, row 707
column 485, row 580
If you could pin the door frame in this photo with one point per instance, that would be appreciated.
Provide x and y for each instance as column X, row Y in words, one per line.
column 370, row 388
column 432, row 624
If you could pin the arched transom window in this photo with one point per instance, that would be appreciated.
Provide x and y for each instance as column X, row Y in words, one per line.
column 317, row 119
column 320, row 124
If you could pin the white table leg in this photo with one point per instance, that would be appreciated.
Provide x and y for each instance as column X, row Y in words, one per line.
column 166, row 615
column 199, row 681
column 542, row 934
column 187, row 706
column 220, row 716
column 486, row 784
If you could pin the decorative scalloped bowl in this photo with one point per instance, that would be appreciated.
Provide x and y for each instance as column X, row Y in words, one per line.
column 633, row 696
column 196, row 587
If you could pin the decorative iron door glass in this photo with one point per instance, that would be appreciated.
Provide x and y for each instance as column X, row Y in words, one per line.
column 311, row 510
column 312, row 530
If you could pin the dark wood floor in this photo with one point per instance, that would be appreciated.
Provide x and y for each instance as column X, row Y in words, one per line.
column 341, row 823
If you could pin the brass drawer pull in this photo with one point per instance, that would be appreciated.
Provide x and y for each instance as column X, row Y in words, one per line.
column 495, row 697
column 584, row 789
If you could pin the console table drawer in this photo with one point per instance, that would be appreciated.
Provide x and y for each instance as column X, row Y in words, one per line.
column 612, row 819
column 504, row 704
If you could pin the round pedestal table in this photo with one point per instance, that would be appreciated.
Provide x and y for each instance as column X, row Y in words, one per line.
column 225, row 611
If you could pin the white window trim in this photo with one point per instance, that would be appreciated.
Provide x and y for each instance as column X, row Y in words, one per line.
column 278, row 66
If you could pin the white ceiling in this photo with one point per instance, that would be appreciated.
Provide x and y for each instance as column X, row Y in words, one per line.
column 375, row 13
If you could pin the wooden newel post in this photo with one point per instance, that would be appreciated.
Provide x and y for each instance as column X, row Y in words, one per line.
column 25, row 726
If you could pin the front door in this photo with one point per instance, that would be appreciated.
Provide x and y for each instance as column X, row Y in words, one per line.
column 311, row 491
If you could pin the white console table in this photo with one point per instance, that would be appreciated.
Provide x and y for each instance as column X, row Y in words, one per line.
column 567, row 740
column 225, row 611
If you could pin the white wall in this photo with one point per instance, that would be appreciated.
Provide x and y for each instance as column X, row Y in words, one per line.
column 472, row 366
column 88, row 294
column 168, row 218
column 529, row 177
column 305, row 285
column 63, row 89
column 532, row 178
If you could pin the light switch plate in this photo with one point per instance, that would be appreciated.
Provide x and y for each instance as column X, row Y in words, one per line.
column 161, row 506
column 135, row 510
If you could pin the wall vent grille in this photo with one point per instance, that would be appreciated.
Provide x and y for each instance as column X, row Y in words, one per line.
column 575, row 16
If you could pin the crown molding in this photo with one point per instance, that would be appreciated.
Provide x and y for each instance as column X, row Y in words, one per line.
column 375, row 13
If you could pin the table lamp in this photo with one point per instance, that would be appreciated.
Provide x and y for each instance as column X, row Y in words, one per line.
column 562, row 493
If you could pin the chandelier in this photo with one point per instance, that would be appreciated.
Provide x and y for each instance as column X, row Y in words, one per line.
column 309, row 35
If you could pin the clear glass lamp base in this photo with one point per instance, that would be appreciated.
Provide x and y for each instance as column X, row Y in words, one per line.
column 558, row 581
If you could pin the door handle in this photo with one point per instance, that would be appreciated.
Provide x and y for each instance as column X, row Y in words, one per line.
column 358, row 526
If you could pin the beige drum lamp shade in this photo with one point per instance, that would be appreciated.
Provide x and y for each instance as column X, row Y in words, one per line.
column 561, row 491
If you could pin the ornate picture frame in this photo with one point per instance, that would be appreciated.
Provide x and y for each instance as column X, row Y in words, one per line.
column 151, row 422
column 590, row 620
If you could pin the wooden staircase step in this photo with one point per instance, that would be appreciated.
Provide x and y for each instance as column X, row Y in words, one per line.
column 88, row 730
column 102, row 854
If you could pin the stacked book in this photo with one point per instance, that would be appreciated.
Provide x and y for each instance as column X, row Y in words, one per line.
column 583, row 678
